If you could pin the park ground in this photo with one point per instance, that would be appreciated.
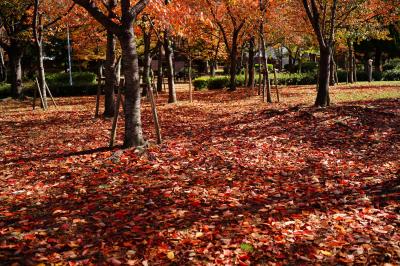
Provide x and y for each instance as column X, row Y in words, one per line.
column 235, row 181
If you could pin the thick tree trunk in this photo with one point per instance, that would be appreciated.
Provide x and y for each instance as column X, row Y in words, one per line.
column 160, row 75
column 323, row 79
column 251, row 62
column 15, row 58
column 169, row 54
column 233, row 62
column 110, row 75
column 212, row 68
column 378, row 59
column 133, row 124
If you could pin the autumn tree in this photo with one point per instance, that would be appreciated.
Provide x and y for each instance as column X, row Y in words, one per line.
column 15, row 22
column 230, row 17
column 121, row 24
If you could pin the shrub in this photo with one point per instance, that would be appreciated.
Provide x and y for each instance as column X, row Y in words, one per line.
column 216, row 83
column 392, row 64
column 270, row 67
column 5, row 90
column 307, row 67
column 200, row 83
column 84, row 83
column 393, row 74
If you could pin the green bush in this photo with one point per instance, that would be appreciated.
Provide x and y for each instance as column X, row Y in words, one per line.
column 5, row 90
column 84, row 83
column 217, row 83
column 200, row 83
column 392, row 64
column 307, row 67
column 270, row 67
column 393, row 74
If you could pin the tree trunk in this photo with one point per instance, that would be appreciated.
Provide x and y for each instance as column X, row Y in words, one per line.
column 3, row 69
column 323, row 79
column 146, row 62
column 15, row 58
column 233, row 61
column 160, row 75
column 41, row 74
column 212, row 68
column 190, row 80
column 133, row 124
column 251, row 62
column 110, row 77
column 351, row 62
column 332, row 68
column 266, row 82
column 169, row 54
column 378, row 59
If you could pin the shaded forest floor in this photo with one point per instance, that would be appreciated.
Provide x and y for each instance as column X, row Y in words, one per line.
column 235, row 182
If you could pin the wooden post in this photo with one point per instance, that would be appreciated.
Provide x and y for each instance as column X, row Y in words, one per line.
column 51, row 95
column 155, row 115
column 276, row 85
column 115, row 119
column 98, row 96
column 40, row 94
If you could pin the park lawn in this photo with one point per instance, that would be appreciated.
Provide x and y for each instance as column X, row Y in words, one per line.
column 235, row 181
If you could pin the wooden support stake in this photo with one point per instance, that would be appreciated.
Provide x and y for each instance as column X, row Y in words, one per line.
column 98, row 96
column 115, row 119
column 51, row 95
column 276, row 85
column 155, row 115
column 40, row 93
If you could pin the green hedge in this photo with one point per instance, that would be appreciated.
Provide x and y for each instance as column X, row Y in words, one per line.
column 200, row 83
column 393, row 74
column 392, row 64
column 5, row 90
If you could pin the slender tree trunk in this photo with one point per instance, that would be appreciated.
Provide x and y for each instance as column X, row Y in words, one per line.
column 323, row 80
column 41, row 74
column 110, row 76
column 190, row 80
column 354, row 67
column 350, row 61
column 169, row 54
column 332, row 80
column 146, row 62
column 3, row 69
column 133, row 123
column 15, row 58
column 160, row 75
column 266, row 81
column 251, row 62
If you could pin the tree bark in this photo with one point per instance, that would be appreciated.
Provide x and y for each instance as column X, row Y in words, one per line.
column 350, row 61
column 233, row 61
column 133, row 123
column 169, row 54
column 146, row 62
column 15, row 57
column 251, row 62
column 323, row 98
column 378, row 59
column 266, row 82
column 3, row 69
column 110, row 76
column 160, row 75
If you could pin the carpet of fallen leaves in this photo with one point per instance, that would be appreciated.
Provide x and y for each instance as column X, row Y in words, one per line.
column 235, row 182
